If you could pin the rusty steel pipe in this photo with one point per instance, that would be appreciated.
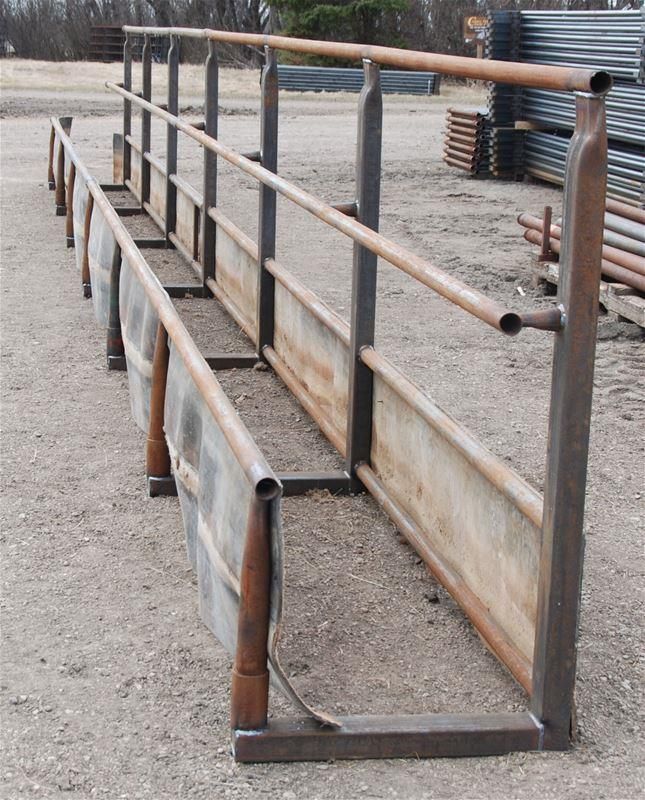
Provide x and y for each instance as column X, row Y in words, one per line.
column 610, row 269
column 157, row 454
column 625, row 210
column 467, row 600
column 250, row 679
column 60, row 181
column 85, row 263
column 629, row 261
column 51, row 180
column 441, row 282
column 69, row 216
column 533, row 75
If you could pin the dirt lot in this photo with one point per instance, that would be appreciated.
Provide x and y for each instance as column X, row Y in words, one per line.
column 111, row 687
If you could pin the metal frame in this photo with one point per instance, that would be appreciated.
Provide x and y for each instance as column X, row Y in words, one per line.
column 549, row 679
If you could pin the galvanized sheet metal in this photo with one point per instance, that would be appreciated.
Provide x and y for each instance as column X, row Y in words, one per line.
column 158, row 189
column 79, row 205
column 316, row 356
column 216, row 499
column 139, row 322
column 468, row 521
column 102, row 254
column 237, row 273
column 185, row 222
column 135, row 170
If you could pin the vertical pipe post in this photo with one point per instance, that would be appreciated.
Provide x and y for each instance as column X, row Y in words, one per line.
column 171, row 136
column 211, row 99
column 250, row 680
column 51, row 180
column 115, row 349
column 157, row 455
column 146, row 93
column 268, row 205
column 60, row 194
column 364, row 273
column 127, row 107
column 85, row 263
column 561, row 557
column 69, row 219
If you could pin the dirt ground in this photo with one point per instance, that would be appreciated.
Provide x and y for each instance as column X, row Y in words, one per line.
column 111, row 686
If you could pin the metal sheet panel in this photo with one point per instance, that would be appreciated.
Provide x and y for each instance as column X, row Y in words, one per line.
column 139, row 322
column 316, row 356
column 216, row 499
column 468, row 521
column 79, row 205
column 102, row 254
column 237, row 272
column 185, row 222
column 158, row 189
column 135, row 170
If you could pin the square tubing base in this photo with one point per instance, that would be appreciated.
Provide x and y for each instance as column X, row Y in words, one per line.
column 162, row 487
column 117, row 363
column 298, row 483
column 415, row 736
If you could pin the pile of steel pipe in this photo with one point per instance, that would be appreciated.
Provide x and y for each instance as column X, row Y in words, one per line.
column 610, row 40
column 467, row 141
column 623, row 252
column 339, row 79
column 545, row 156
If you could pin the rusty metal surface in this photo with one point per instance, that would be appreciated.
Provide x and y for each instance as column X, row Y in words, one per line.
column 186, row 220
column 157, row 186
column 79, row 201
column 466, row 518
column 536, row 75
column 139, row 321
column 314, row 354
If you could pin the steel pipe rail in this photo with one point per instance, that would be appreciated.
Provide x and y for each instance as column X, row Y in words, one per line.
column 471, row 300
column 547, row 77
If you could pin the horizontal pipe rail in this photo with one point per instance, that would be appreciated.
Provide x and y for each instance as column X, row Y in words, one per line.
column 251, row 460
column 545, row 77
column 426, row 273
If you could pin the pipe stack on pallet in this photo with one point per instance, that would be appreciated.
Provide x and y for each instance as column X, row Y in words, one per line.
column 623, row 253
column 467, row 141
column 609, row 40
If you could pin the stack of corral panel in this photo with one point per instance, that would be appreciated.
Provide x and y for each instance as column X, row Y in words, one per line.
column 467, row 141
column 609, row 40
column 339, row 79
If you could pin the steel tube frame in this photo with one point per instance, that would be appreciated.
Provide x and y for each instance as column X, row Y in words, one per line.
column 171, row 136
column 209, row 196
column 127, row 107
column 553, row 671
column 146, row 94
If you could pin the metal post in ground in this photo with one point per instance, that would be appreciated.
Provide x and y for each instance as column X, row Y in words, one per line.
column 157, row 455
column 267, row 213
column 60, row 194
column 572, row 380
column 127, row 107
column 211, row 99
column 146, row 94
column 171, row 135
column 363, row 308
column 115, row 349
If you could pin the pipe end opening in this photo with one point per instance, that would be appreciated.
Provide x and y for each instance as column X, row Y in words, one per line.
column 267, row 489
column 510, row 324
column 601, row 82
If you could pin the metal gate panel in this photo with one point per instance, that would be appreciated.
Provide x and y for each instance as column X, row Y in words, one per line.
column 102, row 254
column 79, row 206
column 315, row 355
column 139, row 322
column 135, row 172
column 468, row 521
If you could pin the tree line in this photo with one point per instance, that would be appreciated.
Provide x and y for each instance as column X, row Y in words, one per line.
column 60, row 29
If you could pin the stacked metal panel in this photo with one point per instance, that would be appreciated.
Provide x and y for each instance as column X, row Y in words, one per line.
column 609, row 40
column 502, row 44
column 467, row 142
column 339, row 79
